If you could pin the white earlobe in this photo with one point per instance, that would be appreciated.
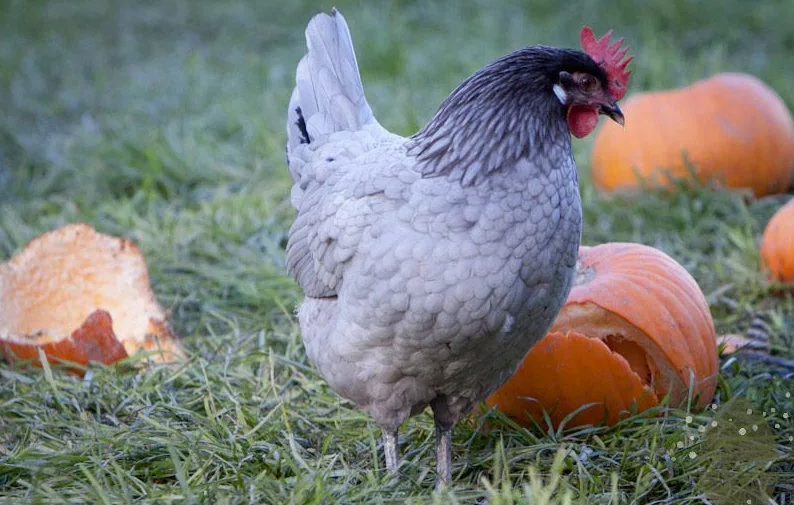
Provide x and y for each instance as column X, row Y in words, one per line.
column 561, row 95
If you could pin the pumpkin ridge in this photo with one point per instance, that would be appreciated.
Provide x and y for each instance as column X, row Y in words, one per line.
column 697, row 347
column 673, row 295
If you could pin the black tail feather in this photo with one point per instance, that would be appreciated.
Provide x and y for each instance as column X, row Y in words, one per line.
column 301, row 124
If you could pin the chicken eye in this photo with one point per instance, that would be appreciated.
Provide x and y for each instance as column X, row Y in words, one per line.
column 588, row 83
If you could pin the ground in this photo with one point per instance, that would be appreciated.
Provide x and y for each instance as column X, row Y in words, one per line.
column 164, row 122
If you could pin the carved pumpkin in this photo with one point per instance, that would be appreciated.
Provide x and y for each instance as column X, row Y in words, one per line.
column 80, row 296
column 635, row 328
column 777, row 245
column 731, row 128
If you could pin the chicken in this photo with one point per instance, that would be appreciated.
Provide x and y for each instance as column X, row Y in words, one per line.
column 431, row 264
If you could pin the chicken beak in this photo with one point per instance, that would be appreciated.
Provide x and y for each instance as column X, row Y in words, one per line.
column 613, row 112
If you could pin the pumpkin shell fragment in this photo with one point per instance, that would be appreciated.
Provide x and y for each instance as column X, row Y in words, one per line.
column 566, row 365
column 73, row 292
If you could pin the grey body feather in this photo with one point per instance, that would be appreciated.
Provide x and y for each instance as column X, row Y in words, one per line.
column 432, row 264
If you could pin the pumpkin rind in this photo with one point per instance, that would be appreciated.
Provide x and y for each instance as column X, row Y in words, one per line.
column 637, row 304
column 777, row 245
column 731, row 128
column 94, row 341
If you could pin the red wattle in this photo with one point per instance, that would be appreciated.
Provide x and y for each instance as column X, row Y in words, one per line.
column 581, row 120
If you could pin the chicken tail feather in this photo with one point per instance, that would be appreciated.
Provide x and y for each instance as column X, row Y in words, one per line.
column 328, row 96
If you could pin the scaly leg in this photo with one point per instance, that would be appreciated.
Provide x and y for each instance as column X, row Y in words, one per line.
column 443, row 455
column 390, row 450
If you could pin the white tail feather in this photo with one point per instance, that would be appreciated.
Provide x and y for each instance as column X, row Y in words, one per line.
column 328, row 89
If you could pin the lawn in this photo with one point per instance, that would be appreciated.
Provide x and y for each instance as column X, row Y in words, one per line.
column 164, row 122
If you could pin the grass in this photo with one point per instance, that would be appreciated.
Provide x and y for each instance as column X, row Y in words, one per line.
column 164, row 122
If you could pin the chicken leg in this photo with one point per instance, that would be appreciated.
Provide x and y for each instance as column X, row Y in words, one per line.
column 444, row 423
column 390, row 450
column 443, row 455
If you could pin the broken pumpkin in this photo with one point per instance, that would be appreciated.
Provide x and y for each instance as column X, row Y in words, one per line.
column 79, row 296
column 635, row 328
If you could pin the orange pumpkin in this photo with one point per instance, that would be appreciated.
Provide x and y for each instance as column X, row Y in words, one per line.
column 635, row 328
column 731, row 128
column 80, row 296
column 777, row 245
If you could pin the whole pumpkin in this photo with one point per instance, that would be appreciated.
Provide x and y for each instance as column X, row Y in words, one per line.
column 635, row 328
column 777, row 245
column 731, row 128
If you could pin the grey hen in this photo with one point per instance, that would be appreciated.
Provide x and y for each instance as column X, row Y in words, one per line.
column 432, row 264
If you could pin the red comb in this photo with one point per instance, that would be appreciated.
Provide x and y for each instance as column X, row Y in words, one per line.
column 608, row 57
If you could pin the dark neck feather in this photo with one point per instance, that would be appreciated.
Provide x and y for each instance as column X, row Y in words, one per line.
column 503, row 113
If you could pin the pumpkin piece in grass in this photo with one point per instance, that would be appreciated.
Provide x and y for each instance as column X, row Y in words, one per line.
column 731, row 128
column 57, row 283
column 649, row 329
column 777, row 245
column 733, row 343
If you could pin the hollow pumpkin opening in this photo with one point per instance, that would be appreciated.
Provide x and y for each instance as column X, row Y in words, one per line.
column 640, row 352
column 60, row 280
column 633, row 354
